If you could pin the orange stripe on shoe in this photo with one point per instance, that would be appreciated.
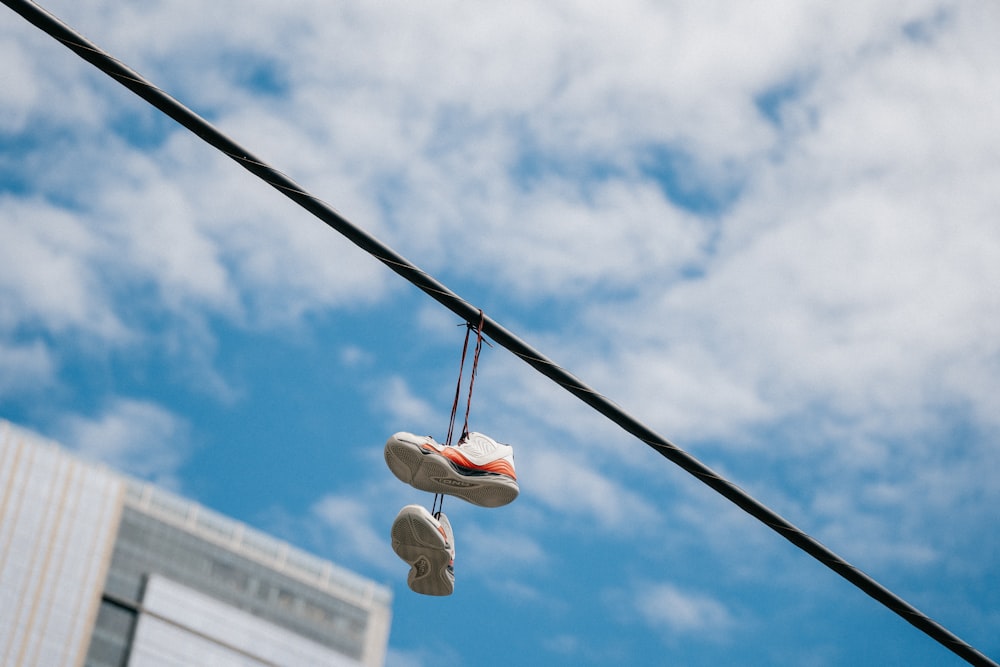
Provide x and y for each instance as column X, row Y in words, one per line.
column 500, row 466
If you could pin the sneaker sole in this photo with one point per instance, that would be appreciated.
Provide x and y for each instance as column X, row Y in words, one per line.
column 432, row 472
column 423, row 547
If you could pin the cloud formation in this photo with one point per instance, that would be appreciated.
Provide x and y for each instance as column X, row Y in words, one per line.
column 664, row 606
column 139, row 438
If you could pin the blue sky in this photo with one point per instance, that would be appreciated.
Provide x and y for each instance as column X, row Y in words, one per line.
column 768, row 230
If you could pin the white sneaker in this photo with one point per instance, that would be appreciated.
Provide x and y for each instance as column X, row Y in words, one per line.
column 478, row 469
column 428, row 545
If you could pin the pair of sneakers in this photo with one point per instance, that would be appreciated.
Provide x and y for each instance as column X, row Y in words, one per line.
column 478, row 470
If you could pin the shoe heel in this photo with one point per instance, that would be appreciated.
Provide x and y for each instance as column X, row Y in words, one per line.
column 495, row 495
column 403, row 459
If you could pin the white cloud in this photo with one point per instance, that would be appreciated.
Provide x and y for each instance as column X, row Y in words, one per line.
column 851, row 271
column 486, row 549
column 397, row 399
column 156, row 228
column 21, row 92
column 31, row 84
column 664, row 606
column 49, row 272
column 571, row 487
column 26, row 369
column 139, row 438
column 353, row 522
column 434, row 652
column 565, row 241
column 607, row 238
column 398, row 658
column 354, row 356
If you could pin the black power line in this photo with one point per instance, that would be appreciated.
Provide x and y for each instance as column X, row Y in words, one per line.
column 171, row 107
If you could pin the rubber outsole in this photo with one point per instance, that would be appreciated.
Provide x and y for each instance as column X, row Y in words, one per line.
column 430, row 471
column 420, row 544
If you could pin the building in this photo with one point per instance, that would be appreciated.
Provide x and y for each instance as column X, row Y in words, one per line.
column 101, row 570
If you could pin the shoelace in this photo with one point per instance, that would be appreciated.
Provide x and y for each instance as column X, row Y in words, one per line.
column 438, row 504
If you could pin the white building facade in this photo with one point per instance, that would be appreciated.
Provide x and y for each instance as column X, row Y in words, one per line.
column 100, row 570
